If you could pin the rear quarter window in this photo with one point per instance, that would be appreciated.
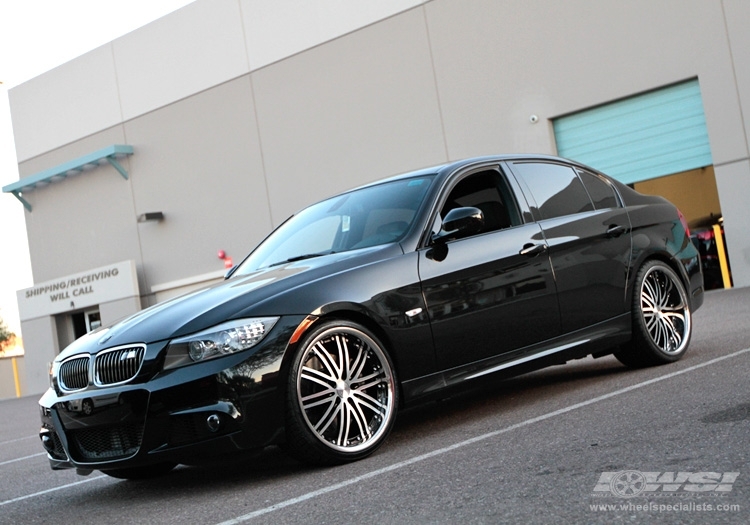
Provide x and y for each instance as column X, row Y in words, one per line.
column 601, row 192
column 555, row 188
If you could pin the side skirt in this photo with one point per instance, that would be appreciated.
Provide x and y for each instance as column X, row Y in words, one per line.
column 599, row 340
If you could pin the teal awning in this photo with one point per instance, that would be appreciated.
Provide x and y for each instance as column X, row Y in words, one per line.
column 109, row 155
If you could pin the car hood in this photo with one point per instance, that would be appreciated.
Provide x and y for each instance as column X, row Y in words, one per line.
column 230, row 299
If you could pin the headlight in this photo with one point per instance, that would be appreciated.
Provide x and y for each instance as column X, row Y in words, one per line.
column 54, row 366
column 223, row 339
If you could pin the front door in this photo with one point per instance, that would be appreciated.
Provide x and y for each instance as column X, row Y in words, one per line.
column 484, row 297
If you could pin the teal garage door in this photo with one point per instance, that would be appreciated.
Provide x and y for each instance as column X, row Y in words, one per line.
column 643, row 137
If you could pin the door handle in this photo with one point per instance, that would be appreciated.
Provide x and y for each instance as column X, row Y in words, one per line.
column 532, row 250
column 615, row 230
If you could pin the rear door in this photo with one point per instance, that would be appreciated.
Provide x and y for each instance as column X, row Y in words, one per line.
column 588, row 234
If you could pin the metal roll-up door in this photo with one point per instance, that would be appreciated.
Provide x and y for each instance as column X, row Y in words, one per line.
column 643, row 137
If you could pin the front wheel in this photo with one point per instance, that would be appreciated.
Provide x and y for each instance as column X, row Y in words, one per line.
column 341, row 395
column 662, row 322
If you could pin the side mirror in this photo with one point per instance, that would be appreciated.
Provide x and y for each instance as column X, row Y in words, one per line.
column 460, row 222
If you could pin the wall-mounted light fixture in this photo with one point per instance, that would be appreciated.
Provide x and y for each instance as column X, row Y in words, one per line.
column 152, row 216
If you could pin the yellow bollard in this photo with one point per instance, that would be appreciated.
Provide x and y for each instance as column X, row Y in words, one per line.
column 722, row 256
column 15, row 376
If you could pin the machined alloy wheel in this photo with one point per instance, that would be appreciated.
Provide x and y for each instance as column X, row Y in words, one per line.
column 664, row 309
column 343, row 395
column 661, row 317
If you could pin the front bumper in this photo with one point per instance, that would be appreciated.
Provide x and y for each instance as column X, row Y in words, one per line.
column 183, row 415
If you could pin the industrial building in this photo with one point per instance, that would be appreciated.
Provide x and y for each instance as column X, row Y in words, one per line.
column 192, row 137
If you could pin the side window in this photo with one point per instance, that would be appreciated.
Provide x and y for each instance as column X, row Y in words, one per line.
column 556, row 189
column 489, row 192
column 601, row 192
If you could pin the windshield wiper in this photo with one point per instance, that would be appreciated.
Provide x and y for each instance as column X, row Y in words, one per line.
column 300, row 258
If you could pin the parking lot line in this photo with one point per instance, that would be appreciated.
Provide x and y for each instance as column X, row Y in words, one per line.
column 3, row 443
column 54, row 489
column 21, row 459
column 471, row 441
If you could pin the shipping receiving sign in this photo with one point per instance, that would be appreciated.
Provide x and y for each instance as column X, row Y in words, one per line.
column 81, row 290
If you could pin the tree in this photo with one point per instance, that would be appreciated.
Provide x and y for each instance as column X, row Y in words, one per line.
column 7, row 337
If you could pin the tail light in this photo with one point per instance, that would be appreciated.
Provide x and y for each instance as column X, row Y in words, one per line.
column 684, row 223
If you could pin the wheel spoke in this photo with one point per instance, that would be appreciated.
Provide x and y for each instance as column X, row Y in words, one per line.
column 649, row 295
column 312, row 374
column 376, row 380
column 370, row 402
column 659, row 335
column 360, row 419
column 343, row 354
column 306, row 399
column 359, row 363
column 321, row 353
column 329, row 417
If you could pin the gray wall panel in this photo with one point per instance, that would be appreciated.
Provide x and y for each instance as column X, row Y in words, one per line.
column 733, row 183
column 343, row 114
column 499, row 62
column 198, row 161
column 738, row 20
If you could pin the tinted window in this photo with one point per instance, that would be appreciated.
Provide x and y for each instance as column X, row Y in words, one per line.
column 489, row 192
column 599, row 190
column 369, row 216
column 556, row 189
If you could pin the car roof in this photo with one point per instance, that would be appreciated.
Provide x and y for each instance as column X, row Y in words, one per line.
column 446, row 169
column 450, row 167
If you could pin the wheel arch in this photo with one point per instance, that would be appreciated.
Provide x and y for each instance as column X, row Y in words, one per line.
column 661, row 256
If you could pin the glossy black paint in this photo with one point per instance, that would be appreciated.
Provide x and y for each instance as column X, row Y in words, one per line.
column 539, row 291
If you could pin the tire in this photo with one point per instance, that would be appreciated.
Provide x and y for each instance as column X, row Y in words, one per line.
column 662, row 322
column 144, row 472
column 341, row 395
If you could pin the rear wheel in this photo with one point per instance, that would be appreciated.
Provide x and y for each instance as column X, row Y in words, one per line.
column 662, row 322
column 341, row 395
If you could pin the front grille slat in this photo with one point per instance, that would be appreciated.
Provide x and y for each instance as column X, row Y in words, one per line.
column 118, row 365
column 74, row 373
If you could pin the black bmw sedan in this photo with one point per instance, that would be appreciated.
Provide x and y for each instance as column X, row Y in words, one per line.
column 375, row 299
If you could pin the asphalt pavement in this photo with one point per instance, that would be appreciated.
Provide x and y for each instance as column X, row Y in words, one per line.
column 587, row 442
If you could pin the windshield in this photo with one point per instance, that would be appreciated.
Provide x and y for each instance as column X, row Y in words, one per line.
column 366, row 217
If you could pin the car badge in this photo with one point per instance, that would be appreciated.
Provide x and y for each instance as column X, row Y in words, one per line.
column 128, row 355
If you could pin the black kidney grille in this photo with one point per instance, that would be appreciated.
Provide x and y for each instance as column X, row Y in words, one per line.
column 74, row 373
column 118, row 365
column 108, row 442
